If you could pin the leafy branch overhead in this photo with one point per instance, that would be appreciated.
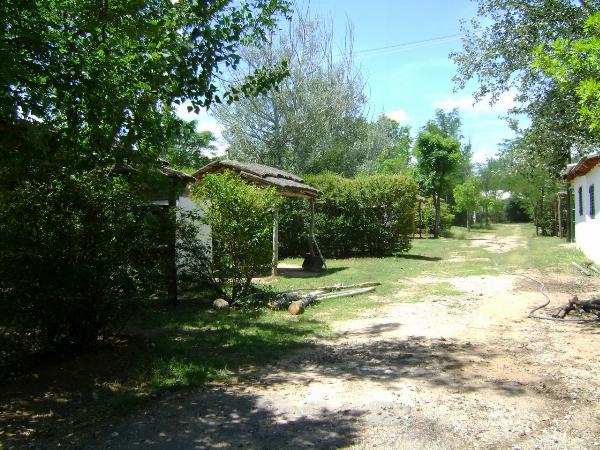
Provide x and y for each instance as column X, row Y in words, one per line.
column 575, row 65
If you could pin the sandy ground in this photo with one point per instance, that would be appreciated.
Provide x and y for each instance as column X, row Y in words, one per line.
column 462, row 371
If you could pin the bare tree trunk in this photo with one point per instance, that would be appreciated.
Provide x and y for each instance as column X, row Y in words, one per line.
column 468, row 221
column 436, row 220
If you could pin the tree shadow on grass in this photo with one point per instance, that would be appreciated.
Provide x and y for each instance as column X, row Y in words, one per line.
column 166, row 349
column 298, row 272
column 419, row 257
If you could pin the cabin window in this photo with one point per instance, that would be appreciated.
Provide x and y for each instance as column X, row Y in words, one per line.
column 580, row 198
column 592, row 203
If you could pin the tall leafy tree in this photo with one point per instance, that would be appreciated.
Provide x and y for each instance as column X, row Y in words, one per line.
column 385, row 147
column 188, row 148
column 574, row 64
column 438, row 157
column 87, row 90
column 498, row 52
column 467, row 197
column 311, row 121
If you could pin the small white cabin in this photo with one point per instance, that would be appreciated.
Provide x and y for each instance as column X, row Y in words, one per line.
column 584, row 184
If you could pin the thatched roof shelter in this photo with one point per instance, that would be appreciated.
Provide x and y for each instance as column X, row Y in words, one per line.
column 287, row 184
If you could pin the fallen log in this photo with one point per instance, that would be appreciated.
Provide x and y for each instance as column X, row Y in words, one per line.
column 588, row 306
column 582, row 269
column 594, row 268
column 339, row 287
column 297, row 306
column 288, row 297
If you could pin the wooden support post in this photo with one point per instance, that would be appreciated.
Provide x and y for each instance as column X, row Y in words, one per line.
column 311, row 230
column 420, row 221
column 275, row 261
column 560, row 232
column 172, row 250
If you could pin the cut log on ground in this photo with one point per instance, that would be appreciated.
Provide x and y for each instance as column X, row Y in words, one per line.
column 582, row 269
column 288, row 297
column 588, row 306
column 297, row 307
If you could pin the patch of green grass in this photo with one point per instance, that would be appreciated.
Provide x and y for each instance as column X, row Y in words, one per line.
column 193, row 344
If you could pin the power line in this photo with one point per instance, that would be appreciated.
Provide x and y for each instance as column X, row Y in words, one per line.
column 407, row 45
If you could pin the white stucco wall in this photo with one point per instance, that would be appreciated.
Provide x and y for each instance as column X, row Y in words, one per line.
column 185, row 203
column 587, row 230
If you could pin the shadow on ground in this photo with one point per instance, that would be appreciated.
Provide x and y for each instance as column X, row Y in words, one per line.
column 420, row 257
column 221, row 418
column 299, row 272
column 64, row 400
column 69, row 402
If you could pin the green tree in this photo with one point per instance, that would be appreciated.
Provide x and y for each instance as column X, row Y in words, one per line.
column 531, row 179
column 385, row 148
column 438, row 157
column 86, row 94
column 311, row 121
column 575, row 65
column 188, row 148
column 498, row 52
column 467, row 197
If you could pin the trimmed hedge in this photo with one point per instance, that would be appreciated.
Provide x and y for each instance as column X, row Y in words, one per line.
column 364, row 216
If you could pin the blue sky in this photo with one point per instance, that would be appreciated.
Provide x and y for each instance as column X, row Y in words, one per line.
column 409, row 82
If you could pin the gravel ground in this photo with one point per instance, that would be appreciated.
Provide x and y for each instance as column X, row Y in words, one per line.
column 463, row 371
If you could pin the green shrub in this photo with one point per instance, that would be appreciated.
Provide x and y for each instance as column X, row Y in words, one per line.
column 364, row 216
column 76, row 250
column 428, row 216
column 241, row 218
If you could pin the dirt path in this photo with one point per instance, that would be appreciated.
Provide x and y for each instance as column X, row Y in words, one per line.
column 460, row 371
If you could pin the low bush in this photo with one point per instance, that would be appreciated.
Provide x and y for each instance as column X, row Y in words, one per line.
column 364, row 216
column 241, row 218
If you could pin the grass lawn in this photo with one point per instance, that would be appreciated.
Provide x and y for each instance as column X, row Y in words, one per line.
column 167, row 348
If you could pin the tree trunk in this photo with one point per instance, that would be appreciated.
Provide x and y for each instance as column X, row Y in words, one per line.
column 468, row 221
column 436, row 220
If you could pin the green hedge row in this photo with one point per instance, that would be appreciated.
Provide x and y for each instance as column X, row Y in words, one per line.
column 364, row 216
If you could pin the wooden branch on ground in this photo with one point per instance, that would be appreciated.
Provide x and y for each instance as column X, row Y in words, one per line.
column 288, row 297
column 582, row 269
column 589, row 306
column 297, row 306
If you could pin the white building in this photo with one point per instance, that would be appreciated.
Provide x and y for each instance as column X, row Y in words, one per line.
column 584, row 182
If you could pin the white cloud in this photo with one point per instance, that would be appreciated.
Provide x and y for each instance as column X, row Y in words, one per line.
column 467, row 104
column 399, row 115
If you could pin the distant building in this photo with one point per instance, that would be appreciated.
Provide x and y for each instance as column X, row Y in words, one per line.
column 584, row 220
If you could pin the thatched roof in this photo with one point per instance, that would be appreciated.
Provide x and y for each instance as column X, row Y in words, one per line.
column 287, row 184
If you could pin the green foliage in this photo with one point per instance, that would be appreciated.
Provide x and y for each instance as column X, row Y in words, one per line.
column 428, row 217
column 467, row 197
column 498, row 53
column 314, row 122
column 439, row 156
column 75, row 252
column 188, row 148
column 240, row 216
column 575, row 66
column 368, row 215
column 532, row 180
column 87, row 90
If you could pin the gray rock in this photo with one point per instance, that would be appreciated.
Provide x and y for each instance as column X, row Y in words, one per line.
column 221, row 303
